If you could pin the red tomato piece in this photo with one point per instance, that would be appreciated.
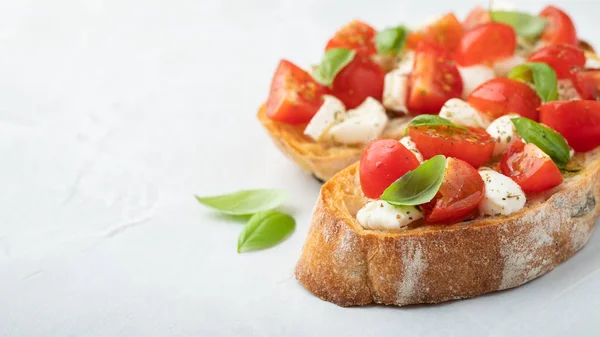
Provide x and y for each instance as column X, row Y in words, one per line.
column 445, row 33
column 360, row 79
column 382, row 163
column 476, row 17
column 560, row 28
column 295, row 97
column 486, row 44
column 587, row 83
column 577, row 121
column 473, row 145
column 460, row 193
column 501, row 96
column 434, row 80
column 356, row 35
column 563, row 58
column 530, row 167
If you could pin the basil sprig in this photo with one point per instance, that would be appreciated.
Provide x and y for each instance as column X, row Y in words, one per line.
column 548, row 140
column 333, row 62
column 432, row 120
column 541, row 75
column 418, row 186
column 391, row 40
column 525, row 25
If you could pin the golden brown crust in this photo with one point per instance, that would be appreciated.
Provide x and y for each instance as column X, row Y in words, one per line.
column 348, row 265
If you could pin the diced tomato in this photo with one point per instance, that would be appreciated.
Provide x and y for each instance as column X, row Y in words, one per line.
column 434, row 80
column 530, row 167
column 501, row 96
column 445, row 32
column 382, row 163
column 578, row 121
column 473, row 145
column 461, row 191
column 561, row 57
column 356, row 35
column 360, row 79
column 559, row 29
column 587, row 83
column 486, row 44
column 295, row 97
column 476, row 17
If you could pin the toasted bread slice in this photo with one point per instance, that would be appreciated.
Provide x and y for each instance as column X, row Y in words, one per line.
column 345, row 264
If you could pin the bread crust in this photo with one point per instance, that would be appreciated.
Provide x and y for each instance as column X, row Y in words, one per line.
column 345, row 264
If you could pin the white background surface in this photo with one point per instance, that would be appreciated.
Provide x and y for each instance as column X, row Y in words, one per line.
column 113, row 114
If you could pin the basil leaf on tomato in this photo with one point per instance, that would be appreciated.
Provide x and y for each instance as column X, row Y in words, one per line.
column 541, row 75
column 432, row 120
column 526, row 25
column 418, row 186
column 548, row 140
column 391, row 40
column 333, row 62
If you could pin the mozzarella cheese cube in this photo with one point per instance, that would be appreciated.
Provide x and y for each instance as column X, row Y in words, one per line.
column 567, row 91
column 502, row 195
column 410, row 145
column 362, row 125
column 503, row 131
column 395, row 90
column 378, row 214
column 406, row 63
column 460, row 112
column 504, row 66
column 331, row 112
column 592, row 63
column 474, row 76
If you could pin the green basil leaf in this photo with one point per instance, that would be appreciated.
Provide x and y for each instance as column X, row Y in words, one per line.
column 526, row 25
column 264, row 230
column 418, row 186
column 245, row 202
column 432, row 120
column 390, row 41
column 541, row 75
column 548, row 140
column 333, row 62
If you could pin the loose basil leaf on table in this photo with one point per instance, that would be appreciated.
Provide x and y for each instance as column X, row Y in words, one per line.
column 418, row 186
column 526, row 25
column 548, row 140
column 432, row 120
column 333, row 62
column 245, row 202
column 264, row 230
column 391, row 40
column 541, row 75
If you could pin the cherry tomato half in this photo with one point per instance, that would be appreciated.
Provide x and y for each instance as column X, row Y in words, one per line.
column 561, row 57
column 445, row 33
column 476, row 17
column 382, row 163
column 360, row 79
column 530, row 167
column 356, row 35
column 502, row 96
column 473, row 145
column 295, row 97
column 461, row 191
column 587, row 83
column 560, row 28
column 578, row 121
column 486, row 44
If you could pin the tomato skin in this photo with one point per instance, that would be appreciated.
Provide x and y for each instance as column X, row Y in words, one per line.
column 560, row 28
column 295, row 97
column 486, row 44
column 587, row 83
column 476, row 17
column 530, row 167
column 475, row 146
column 563, row 58
column 501, row 96
column 355, row 35
column 460, row 193
column 382, row 163
column 445, row 33
column 434, row 80
column 360, row 79
column 577, row 121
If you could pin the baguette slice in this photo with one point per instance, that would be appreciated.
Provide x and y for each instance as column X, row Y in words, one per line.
column 345, row 264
